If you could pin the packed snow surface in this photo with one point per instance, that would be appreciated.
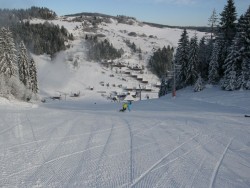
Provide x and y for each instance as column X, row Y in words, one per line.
column 194, row 140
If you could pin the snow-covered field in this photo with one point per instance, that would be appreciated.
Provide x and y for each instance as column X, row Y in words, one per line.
column 195, row 140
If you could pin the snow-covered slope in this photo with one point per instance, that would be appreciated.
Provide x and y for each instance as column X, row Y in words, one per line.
column 194, row 140
column 60, row 76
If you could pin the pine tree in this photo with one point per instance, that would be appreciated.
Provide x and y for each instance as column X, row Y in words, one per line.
column 228, row 21
column 204, row 56
column 227, row 32
column 33, row 76
column 192, row 74
column 212, row 22
column 8, row 66
column 181, row 59
column 243, row 37
column 199, row 85
column 229, row 82
column 4, row 90
column 243, row 80
column 23, row 64
column 239, row 56
column 213, row 74
column 163, row 87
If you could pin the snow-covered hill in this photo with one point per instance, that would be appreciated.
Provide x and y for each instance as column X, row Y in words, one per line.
column 71, row 71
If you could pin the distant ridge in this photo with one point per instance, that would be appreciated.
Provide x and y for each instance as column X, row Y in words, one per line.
column 90, row 14
column 197, row 28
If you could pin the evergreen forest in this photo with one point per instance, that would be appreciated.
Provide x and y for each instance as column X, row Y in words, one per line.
column 222, row 58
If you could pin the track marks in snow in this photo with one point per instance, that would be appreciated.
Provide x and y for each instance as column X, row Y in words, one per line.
column 131, row 160
column 137, row 180
column 53, row 150
column 218, row 164
column 197, row 171
column 165, row 173
column 101, row 158
column 82, row 160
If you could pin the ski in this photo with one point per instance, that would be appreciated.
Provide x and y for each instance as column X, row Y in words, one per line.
column 247, row 115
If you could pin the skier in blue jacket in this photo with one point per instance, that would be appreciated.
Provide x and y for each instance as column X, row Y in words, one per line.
column 129, row 105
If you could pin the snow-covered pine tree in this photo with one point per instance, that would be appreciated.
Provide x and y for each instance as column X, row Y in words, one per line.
column 239, row 55
column 243, row 80
column 33, row 76
column 23, row 64
column 191, row 73
column 8, row 66
column 230, row 81
column 181, row 59
column 213, row 74
column 199, row 84
column 232, row 63
column 243, row 38
column 4, row 89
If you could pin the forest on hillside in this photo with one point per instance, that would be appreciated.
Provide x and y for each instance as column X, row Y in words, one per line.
column 38, row 38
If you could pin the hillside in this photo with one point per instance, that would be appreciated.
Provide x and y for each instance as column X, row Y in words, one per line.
column 72, row 72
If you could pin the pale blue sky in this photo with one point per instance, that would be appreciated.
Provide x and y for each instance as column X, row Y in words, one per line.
column 169, row 12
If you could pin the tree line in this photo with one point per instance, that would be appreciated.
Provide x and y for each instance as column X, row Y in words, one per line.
column 101, row 49
column 13, row 16
column 41, row 38
column 161, row 60
column 221, row 59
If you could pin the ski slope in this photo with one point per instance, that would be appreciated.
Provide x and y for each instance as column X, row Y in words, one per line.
column 194, row 140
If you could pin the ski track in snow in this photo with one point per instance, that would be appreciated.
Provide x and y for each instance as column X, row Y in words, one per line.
column 102, row 157
column 158, row 162
column 215, row 172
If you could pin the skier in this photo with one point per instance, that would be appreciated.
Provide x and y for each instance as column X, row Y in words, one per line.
column 124, row 107
column 129, row 105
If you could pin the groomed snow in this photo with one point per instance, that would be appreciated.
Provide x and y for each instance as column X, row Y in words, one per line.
column 194, row 140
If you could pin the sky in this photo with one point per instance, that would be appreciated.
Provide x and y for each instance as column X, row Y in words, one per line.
column 168, row 12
